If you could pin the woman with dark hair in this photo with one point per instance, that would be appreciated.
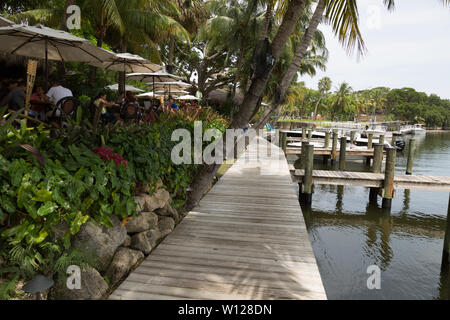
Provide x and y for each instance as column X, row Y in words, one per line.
column 101, row 105
column 39, row 102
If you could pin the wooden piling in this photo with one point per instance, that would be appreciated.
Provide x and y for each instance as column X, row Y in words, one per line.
column 377, row 157
column 283, row 141
column 300, row 162
column 307, row 179
column 381, row 139
column 303, row 133
column 352, row 137
column 327, row 140
column 376, row 168
column 310, row 134
column 388, row 193
column 446, row 251
column 369, row 142
column 409, row 164
column 334, row 146
column 393, row 140
column 342, row 150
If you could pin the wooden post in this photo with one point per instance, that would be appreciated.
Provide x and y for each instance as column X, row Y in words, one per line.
column 388, row 193
column 283, row 141
column 377, row 158
column 446, row 252
column 352, row 137
column 300, row 162
column 334, row 146
column 381, row 139
column 409, row 164
column 393, row 140
column 307, row 178
column 376, row 168
column 369, row 142
column 343, row 148
column 327, row 140
column 310, row 134
column 303, row 133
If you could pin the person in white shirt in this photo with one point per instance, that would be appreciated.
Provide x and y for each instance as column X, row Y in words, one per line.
column 58, row 92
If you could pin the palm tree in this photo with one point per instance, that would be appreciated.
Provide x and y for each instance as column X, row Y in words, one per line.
column 192, row 14
column 341, row 99
column 324, row 86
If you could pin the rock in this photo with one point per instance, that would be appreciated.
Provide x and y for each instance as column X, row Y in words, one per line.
column 167, row 210
column 93, row 287
column 157, row 200
column 166, row 225
column 123, row 261
column 159, row 184
column 127, row 241
column 100, row 241
column 142, row 222
column 140, row 203
column 145, row 241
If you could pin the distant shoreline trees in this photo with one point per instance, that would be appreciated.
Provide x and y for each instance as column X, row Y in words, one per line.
column 345, row 104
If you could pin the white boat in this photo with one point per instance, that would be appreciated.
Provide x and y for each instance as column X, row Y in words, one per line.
column 416, row 129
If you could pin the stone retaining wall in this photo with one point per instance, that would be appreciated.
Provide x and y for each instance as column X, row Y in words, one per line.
column 120, row 249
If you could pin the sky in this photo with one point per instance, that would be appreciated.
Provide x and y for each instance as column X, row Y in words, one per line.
column 407, row 47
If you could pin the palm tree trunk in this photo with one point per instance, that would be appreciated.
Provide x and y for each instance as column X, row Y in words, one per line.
column 122, row 73
column 296, row 61
column 254, row 93
column 207, row 172
column 170, row 57
column 316, row 106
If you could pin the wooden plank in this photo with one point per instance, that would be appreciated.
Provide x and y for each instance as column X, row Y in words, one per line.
column 367, row 179
column 246, row 239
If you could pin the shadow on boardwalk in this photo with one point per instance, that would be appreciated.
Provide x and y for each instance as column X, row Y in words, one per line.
column 247, row 239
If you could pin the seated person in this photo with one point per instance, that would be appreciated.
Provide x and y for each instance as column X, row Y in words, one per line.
column 39, row 102
column 57, row 92
column 172, row 104
column 100, row 102
column 156, row 106
column 130, row 108
column 16, row 96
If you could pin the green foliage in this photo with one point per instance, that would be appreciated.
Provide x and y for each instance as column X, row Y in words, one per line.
column 59, row 181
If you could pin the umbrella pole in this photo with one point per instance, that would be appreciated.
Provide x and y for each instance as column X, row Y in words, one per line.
column 46, row 64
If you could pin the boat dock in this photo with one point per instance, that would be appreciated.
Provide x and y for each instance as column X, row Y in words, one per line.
column 246, row 239
column 373, row 180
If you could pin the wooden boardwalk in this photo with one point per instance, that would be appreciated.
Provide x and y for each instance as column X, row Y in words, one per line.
column 246, row 240
column 375, row 180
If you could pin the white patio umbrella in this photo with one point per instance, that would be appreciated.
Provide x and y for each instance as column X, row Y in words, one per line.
column 171, row 85
column 127, row 62
column 160, row 76
column 173, row 92
column 149, row 95
column 187, row 97
column 115, row 87
column 45, row 43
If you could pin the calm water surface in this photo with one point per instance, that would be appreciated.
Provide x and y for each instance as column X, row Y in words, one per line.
column 348, row 234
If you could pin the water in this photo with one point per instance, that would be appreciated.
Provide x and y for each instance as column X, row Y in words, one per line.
column 348, row 234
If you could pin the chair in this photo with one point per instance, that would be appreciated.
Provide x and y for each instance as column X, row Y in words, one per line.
column 66, row 108
column 131, row 112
